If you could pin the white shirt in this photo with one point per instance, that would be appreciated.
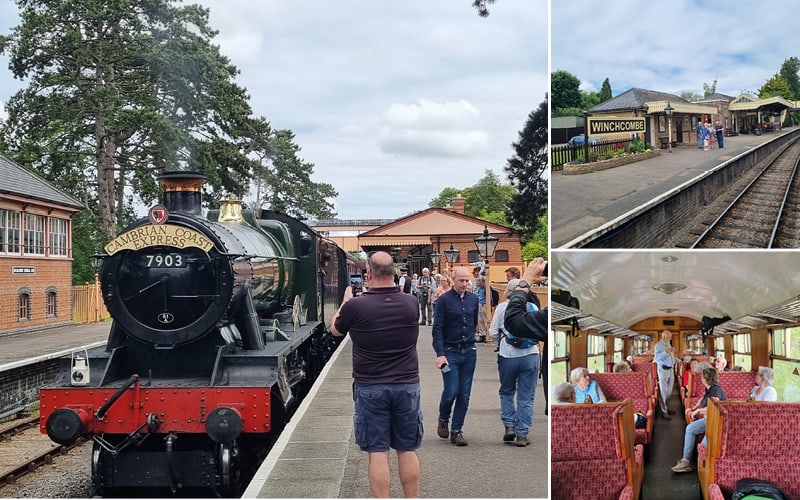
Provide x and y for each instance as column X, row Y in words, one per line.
column 496, row 330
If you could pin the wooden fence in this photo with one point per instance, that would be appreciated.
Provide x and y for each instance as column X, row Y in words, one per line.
column 565, row 153
column 87, row 304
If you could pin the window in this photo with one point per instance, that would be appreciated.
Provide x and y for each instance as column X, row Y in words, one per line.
column 618, row 343
column 741, row 351
column 24, row 305
column 596, row 354
column 34, row 234
column 501, row 256
column 51, row 303
column 719, row 347
column 58, row 236
column 559, row 366
column 473, row 256
column 9, row 232
column 786, row 362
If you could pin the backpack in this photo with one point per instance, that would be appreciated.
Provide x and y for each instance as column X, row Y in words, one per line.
column 407, row 284
column 519, row 342
column 749, row 487
column 495, row 297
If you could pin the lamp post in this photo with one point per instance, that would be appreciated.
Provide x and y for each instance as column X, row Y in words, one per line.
column 451, row 254
column 435, row 258
column 486, row 245
column 97, row 264
column 668, row 110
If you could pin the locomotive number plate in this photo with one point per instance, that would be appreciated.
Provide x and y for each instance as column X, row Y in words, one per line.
column 165, row 260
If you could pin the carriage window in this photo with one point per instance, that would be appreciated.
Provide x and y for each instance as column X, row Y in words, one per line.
column 618, row 343
column 786, row 362
column 559, row 353
column 596, row 354
column 719, row 347
column 741, row 351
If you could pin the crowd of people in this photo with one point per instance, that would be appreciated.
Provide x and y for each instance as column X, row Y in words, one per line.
column 383, row 324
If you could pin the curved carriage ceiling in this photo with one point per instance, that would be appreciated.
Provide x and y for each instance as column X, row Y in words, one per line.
column 619, row 288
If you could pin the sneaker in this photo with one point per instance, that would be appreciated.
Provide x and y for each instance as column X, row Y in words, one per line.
column 457, row 438
column 522, row 441
column 443, row 429
column 510, row 434
column 683, row 465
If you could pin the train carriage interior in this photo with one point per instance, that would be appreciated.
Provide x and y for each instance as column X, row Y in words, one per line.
column 744, row 306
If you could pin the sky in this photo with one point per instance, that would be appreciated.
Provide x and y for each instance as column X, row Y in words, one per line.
column 391, row 101
column 673, row 46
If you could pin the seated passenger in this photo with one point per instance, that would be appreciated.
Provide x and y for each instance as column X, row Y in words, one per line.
column 721, row 364
column 585, row 388
column 698, row 411
column 563, row 393
column 764, row 391
column 621, row 367
column 693, row 362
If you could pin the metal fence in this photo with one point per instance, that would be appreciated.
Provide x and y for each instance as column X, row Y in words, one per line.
column 565, row 153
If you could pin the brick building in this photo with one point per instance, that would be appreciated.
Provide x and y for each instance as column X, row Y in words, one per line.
column 35, row 251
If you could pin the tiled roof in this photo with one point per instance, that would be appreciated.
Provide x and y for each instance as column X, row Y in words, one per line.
column 16, row 180
column 634, row 99
column 716, row 98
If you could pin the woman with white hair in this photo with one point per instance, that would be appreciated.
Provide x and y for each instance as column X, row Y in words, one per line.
column 764, row 391
column 585, row 387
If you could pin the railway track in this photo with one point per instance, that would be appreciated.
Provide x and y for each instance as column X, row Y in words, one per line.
column 23, row 449
column 764, row 214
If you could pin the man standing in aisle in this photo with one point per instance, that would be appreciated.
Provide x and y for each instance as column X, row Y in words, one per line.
column 454, row 324
column 665, row 359
column 382, row 324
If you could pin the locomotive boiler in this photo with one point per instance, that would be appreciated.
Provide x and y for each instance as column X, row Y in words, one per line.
column 218, row 330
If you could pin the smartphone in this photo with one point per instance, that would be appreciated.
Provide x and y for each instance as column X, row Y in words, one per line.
column 357, row 283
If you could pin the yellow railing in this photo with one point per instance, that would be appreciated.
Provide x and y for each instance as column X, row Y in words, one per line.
column 87, row 304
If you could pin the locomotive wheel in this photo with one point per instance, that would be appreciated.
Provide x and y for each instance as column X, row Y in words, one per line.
column 230, row 469
column 97, row 470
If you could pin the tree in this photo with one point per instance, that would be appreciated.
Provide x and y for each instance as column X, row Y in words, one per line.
column 565, row 88
column 482, row 6
column 526, row 168
column 589, row 100
column 775, row 86
column 489, row 199
column 288, row 184
column 789, row 72
column 690, row 96
column 605, row 91
column 123, row 91
column 709, row 89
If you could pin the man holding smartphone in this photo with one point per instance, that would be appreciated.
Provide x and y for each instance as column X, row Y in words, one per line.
column 383, row 325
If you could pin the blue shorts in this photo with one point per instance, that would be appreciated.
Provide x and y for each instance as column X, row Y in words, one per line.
column 387, row 416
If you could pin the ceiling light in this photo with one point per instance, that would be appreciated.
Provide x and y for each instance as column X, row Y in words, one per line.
column 668, row 288
column 668, row 309
column 669, row 258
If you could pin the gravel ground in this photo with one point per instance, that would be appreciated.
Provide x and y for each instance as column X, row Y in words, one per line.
column 69, row 476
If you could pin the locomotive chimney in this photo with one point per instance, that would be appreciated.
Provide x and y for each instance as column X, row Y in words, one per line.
column 182, row 191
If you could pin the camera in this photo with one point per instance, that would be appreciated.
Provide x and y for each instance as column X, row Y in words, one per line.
column 544, row 271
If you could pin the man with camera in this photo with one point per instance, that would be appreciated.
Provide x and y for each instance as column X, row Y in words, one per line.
column 425, row 286
column 383, row 326
column 518, row 319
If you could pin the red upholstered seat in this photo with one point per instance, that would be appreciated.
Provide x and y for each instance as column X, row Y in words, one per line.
column 752, row 439
column 593, row 455
column 737, row 385
column 636, row 387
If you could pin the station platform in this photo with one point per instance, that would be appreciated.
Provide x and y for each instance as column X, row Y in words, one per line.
column 581, row 203
column 316, row 457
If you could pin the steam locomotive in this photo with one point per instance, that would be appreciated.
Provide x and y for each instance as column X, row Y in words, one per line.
column 218, row 331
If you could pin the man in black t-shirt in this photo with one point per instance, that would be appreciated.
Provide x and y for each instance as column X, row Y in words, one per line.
column 383, row 326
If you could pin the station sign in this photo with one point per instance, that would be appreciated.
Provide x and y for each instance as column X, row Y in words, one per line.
column 613, row 125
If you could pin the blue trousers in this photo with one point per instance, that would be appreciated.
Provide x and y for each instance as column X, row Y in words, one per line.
column 457, row 385
column 694, row 429
column 518, row 377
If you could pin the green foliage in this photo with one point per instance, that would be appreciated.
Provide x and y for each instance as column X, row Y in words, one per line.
column 636, row 146
column 565, row 91
column 690, row 96
column 567, row 112
column 709, row 89
column 525, row 170
column 590, row 99
column 775, row 86
column 605, row 91
column 532, row 249
column 789, row 72
column 487, row 198
column 482, row 6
